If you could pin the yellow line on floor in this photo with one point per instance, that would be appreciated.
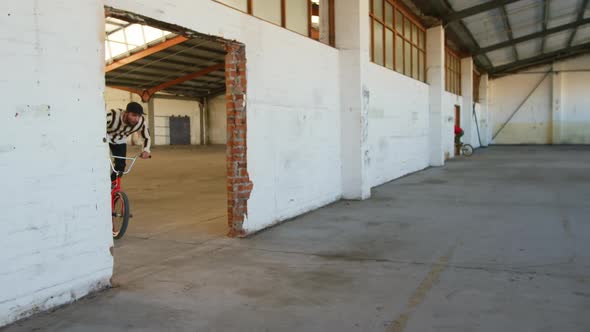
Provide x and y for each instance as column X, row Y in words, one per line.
column 420, row 293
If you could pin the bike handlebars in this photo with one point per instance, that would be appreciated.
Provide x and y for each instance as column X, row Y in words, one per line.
column 124, row 158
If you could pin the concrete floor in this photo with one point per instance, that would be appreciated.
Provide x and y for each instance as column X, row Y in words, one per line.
column 496, row 242
column 178, row 195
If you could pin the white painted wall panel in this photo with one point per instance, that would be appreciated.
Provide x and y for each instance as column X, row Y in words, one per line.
column 539, row 121
column 531, row 125
column 575, row 121
column 55, row 203
column 293, row 107
column 398, row 125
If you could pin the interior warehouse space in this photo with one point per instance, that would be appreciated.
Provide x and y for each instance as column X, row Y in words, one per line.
column 295, row 165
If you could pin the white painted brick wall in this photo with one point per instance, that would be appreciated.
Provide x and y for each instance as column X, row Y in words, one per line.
column 56, row 166
column 575, row 122
column 53, row 161
column 293, row 107
column 398, row 124
column 532, row 124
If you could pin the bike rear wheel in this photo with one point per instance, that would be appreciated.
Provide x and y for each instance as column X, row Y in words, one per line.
column 467, row 150
column 120, row 214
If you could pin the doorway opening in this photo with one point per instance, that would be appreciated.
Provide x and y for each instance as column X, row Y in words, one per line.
column 193, row 88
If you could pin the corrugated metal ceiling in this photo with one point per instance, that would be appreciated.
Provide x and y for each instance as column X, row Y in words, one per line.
column 168, row 64
column 495, row 28
column 525, row 17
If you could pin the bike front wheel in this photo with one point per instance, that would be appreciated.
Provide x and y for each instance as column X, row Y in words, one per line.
column 467, row 150
column 120, row 214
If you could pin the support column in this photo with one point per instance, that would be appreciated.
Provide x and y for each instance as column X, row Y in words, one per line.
column 556, row 102
column 485, row 111
column 467, row 121
column 352, row 38
column 435, row 69
column 205, row 106
column 201, row 124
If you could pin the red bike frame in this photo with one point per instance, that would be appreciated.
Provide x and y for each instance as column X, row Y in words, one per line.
column 116, row 187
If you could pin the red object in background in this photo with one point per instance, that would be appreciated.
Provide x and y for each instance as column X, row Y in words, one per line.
column 458, row 130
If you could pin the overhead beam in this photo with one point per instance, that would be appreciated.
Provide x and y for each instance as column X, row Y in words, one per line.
column 455, row 31
column 120, row 27
column 579, row 18
column 166, row 65
column 190, row 92
column 149, row 78
column 147, row 94
column 158, row 68
column 493, row 4
column 185, row 78
column 174, row 97
column 217, row 92
column 541, row 59
column 534, row 35
column 459, row 32
column 143, row 85
column 464, row 35
column 125, row 88
column 546, row 14
column 144, row 53
column 509, row 31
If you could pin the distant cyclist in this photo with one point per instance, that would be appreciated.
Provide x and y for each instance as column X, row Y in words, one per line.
column 458, row 134
column 120, row 125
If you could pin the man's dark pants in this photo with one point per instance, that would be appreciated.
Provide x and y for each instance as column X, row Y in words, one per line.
column 118, row 150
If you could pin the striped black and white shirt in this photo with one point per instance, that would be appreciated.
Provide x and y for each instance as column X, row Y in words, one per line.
column 118, row 131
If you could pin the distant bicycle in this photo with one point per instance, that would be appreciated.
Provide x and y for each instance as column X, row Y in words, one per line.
column 466, row 149
column 121, row 212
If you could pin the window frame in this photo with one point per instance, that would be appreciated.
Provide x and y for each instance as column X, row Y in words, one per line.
column 420, row 45
column 452, row 75
column 331, row 33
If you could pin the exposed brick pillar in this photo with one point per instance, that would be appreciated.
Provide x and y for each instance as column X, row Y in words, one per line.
column 239, row 185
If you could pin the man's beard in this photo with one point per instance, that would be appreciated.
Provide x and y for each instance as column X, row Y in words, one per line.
column 129, row 123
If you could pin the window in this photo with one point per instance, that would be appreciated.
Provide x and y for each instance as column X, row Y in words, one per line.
column 237, row 4
column 398, row 40
column 452, row 72
column 296, row 13
column 123, row 37
column 269, row 10
column 312, row 18
column 476, row 80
